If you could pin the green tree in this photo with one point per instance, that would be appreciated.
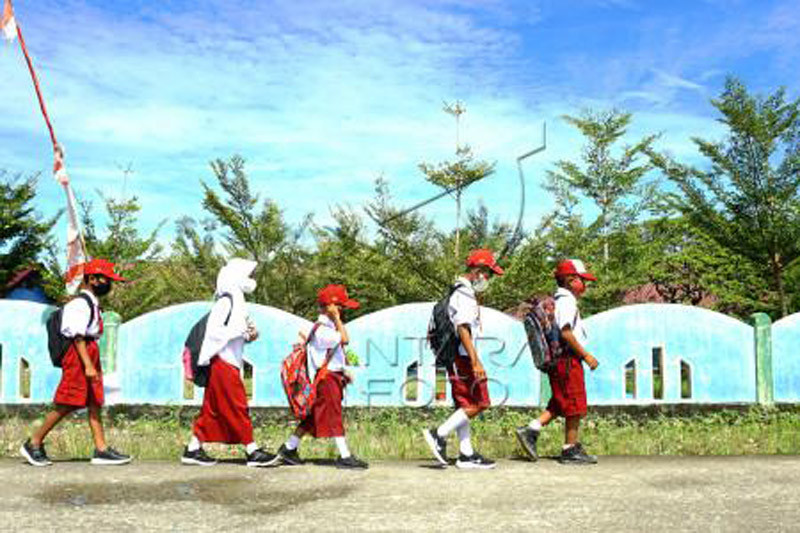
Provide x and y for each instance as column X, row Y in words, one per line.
column 257, row 230
column 612, row 178
column 747, row 200
column 25, row 237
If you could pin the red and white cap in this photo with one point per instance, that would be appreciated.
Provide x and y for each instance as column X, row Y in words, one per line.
column 103, row 268
column 336, row 294
column 573, row 267
column 484, row 257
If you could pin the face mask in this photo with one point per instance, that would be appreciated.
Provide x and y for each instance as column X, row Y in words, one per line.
column 577, row 286
column 248, row 286
column 480, row 284
column 101, row 289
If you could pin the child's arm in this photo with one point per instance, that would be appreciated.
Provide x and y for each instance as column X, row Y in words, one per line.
column 465, row 335
column 572, row 341
column 333, row 311
column 88, row 368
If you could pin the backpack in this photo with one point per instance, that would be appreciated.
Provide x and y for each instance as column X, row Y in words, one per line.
column 194, row 342
column 442, row 337
column 544, row 335
column 300, row 391
column 57, row 343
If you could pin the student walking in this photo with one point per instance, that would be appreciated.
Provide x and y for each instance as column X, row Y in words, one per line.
column 224, row 416
column 326, row 342
column 467, row 375
column 81, row 384
column 567, row 378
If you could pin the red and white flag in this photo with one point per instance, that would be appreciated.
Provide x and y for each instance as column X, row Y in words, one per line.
column 7, row 22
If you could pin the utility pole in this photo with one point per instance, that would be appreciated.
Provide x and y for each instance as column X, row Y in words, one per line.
column 457, row 109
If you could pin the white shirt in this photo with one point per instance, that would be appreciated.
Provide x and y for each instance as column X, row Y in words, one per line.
column 567, row 313
column 75, row 317
column 326, row 337
column 232, row 352
column 464, row 310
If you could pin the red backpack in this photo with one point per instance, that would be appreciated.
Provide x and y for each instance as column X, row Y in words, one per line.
column 300, row 390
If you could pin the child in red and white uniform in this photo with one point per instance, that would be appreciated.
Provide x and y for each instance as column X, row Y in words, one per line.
column 567, row 379
column 467, row 377
column 81, row 383
column 224, row 416
column 328, row 338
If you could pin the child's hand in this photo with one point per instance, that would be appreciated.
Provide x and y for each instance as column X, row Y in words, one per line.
column 91, row 373
column 591, row 361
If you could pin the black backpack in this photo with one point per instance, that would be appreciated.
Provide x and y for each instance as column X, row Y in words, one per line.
column 194, row 342
column 442, row 336
column 57, row 343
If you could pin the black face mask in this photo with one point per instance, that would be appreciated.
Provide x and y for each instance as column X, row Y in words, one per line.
column 101, row 289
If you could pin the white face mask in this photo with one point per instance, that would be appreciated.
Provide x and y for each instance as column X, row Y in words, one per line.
column 480, row 284
column 248, row 286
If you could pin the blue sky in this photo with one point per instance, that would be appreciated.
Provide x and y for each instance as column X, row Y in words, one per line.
column 322, row 97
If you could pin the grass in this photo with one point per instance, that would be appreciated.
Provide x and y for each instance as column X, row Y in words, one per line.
column 394, row 433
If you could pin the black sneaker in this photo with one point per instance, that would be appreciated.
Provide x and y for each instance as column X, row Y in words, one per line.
column 527, row 438
column 289, row 457
column 110, row 457
column 197, row 457
column 437, row 444
column 351, row 462
column 260, row 458
column 576, row 455
column 475, row 461
column 34, row 456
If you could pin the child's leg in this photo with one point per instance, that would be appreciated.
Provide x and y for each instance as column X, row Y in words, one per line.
column 545, row 418
column 294, row 440
column 571, row 430
column 97, row 427
column 50, row 421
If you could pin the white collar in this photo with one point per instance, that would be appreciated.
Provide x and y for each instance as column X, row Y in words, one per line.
column 92, row 297
column 563, row 291
column 465, row 284
column 325, row 320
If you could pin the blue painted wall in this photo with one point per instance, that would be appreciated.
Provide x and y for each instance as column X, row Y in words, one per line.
column 786, row 358
column 718, row 349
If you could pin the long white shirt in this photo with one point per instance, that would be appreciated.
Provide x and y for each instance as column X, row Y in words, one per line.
column 75, row 317
column 229, row 339
column 567, row 313
column 326, row 337
column 464, row 310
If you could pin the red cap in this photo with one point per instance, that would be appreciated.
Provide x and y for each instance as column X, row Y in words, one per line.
column 336, row 294
column 573, row 267
column 102, row 267
column 484, row 257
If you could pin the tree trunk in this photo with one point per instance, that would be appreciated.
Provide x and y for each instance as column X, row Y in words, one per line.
column 458, row 224
column 777, row 276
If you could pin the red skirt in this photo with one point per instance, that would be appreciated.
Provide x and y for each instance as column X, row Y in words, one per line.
column 75, row 389
column 224, row 416
column 466, row 389
column 569, row 388
column 325, row 420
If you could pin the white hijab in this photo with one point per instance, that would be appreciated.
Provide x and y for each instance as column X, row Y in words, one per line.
column 234, row 279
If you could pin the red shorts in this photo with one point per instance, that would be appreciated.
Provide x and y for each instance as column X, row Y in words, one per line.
column 466, row 389
column 224, row 416
column 75, row 389
column 569, row 389
column 325, row 420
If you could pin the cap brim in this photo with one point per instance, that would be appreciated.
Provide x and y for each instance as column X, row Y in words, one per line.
column 351, row 304
column 588, row 276
column 497, row 270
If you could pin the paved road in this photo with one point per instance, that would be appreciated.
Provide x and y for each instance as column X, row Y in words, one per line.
column 619, row 494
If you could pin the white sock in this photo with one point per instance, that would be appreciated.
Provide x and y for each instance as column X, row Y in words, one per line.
column 535, row 425
column 567, row 447
column 455, row 420
column 292, row 443
column 250, row 448
column 194, row 444
column 464, row 442
column 341, row 443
